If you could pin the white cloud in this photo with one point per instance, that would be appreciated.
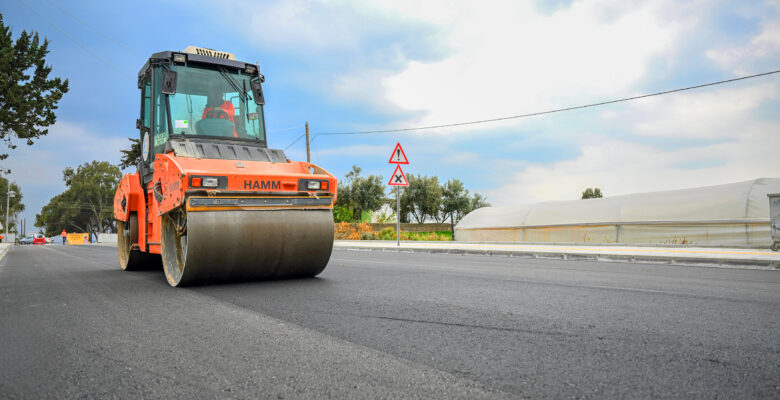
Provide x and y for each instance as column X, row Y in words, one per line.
column 364, row 150
column 764, row 47
column 508, row 58
column 38, row 168
column 746, row 148
column 719, row 113
column 619, row 167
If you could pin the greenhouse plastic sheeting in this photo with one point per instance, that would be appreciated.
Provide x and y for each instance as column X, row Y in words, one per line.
column 735, row 214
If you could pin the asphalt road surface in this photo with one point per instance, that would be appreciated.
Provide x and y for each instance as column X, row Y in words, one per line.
column 388, row 325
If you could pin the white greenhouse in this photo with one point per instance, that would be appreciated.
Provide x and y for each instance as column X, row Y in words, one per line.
column 735, row 214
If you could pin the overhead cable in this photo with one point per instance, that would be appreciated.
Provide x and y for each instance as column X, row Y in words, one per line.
column 295, row 141
column 287, row 129
column 542, row 112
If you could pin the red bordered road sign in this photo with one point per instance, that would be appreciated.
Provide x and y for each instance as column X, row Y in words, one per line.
column 398, row 156
column 398, row 178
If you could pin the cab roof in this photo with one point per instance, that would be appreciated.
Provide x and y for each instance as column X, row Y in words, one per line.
column 199, row 55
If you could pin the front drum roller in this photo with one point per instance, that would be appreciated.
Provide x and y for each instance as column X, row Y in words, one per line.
column 130, row 257
column 241, row 245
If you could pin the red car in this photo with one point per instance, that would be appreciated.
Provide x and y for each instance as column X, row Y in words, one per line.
column 39, row 239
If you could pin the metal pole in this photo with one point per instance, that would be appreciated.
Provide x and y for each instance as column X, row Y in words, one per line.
column 308, row 150
column 7, row 206
column 398, row 214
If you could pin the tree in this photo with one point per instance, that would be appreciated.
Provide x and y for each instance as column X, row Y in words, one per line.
column 594, row 193
column 477, row 201
column 360, row 194
column 16, row 205
column 60, row 213
column 422, row 198
column 87, row 204
column 132, row 156
column 455, row 201
column 27, row 97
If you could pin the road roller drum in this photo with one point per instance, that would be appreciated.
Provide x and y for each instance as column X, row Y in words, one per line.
column 246, row 245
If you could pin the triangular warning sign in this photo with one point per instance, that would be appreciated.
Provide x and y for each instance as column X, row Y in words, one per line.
column 398, row 156
column 398, row 178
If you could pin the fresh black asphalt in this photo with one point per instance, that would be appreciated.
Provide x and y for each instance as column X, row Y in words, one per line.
column 388, row 325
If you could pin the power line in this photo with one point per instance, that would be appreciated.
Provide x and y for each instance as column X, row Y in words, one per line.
column 540, row 112
column 295, row 141
column 76, row 42
column 287, row 129
column 95, row 29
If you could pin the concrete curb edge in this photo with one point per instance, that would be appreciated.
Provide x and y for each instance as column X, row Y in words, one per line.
column 4, row 250
column 601, row 257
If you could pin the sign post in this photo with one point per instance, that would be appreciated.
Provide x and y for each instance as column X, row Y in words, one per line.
column 398, row 179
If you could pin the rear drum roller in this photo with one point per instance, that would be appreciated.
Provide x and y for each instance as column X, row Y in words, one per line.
column 131, row 258
column 174, row 246
column 245, row 245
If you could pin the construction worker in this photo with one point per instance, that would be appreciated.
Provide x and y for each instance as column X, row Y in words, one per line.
column 64, row 235
column 217, row 107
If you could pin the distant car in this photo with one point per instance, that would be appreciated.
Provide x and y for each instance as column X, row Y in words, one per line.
column 35, row 238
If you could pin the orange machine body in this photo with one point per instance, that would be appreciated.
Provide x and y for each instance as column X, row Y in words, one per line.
column 241, row 185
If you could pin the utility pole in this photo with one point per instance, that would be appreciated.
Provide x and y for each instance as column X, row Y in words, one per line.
column 7, row 208
column 308, row 149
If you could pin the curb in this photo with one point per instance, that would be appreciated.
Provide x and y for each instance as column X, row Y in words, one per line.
column 4, row 249
column 600, row 257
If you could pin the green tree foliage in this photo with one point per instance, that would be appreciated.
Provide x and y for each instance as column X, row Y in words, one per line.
column 132, row 156
column 455, row 202
column 422, row 198
column 16, row 203
column 478, row 201
column 27, row 97
column 87, row 203
column 342, row 214
column 592, row 193
column 359, row 193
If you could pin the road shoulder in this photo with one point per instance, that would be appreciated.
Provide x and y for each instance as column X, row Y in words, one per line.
column 696, row 256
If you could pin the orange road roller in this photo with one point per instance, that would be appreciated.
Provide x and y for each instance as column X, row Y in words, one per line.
column 210, row 201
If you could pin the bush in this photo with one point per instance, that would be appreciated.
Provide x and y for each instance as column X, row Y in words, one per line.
column 356, row 231
column 387, row 234
column 367, row 236
column 342, row 214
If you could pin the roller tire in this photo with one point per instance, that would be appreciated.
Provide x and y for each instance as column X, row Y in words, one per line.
column 173, row 252
column 132, row 259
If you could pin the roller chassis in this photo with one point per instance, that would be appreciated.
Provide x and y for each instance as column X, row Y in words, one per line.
column 155, row 224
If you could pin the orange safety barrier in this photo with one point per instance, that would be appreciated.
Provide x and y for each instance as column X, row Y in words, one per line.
column 78, row 238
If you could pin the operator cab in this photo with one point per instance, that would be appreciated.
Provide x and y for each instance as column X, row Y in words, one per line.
column 199, row 95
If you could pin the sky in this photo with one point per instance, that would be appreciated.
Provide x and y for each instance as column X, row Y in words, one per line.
column 347, row 66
